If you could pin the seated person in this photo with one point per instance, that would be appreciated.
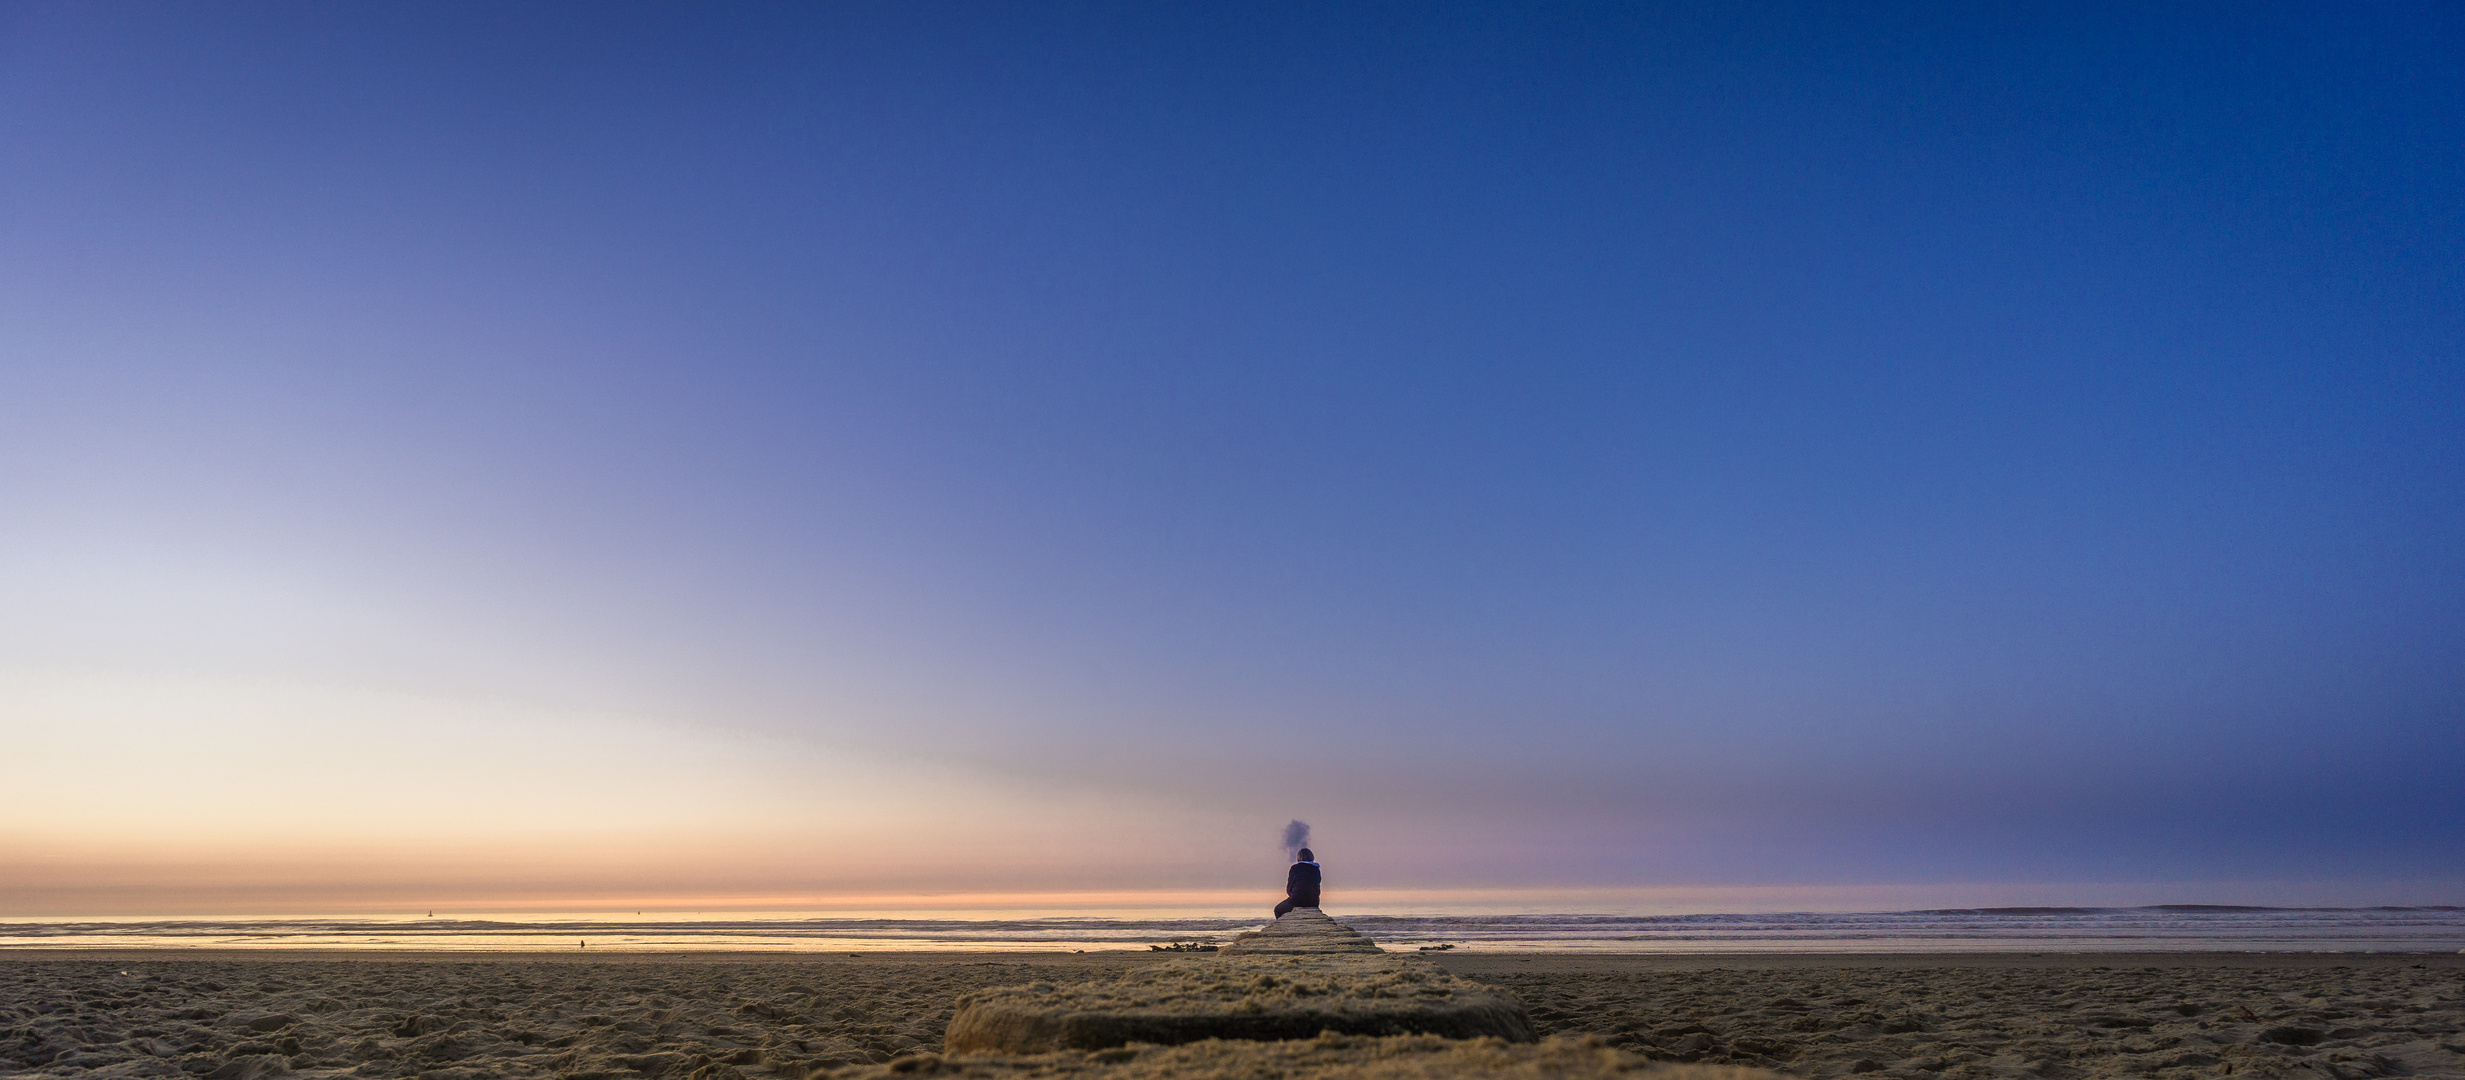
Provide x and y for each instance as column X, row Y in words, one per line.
column 1300, row 885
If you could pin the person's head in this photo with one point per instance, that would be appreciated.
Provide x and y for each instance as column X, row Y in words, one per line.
column 1305, row 856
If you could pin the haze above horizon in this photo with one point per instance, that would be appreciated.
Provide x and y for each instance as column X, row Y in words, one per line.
column 475, row 456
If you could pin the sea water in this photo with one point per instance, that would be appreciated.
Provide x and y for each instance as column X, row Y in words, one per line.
column 2169, row 928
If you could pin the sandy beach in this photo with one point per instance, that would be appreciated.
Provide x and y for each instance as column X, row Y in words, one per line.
column 231, row 1016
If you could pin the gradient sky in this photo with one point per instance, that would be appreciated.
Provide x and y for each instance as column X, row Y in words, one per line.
column 551, row 455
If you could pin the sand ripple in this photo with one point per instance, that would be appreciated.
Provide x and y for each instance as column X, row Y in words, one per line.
column 2167, row 1020
column 718, row 1019
column 245, row 1020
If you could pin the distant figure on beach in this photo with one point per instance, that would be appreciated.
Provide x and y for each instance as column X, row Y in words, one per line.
column 1301, row 884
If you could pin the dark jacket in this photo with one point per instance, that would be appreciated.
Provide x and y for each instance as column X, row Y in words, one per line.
column 1301, row 885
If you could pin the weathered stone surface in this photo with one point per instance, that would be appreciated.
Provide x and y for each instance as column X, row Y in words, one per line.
column 1302, row 931
column 1254, row 997
column 1326, row 1057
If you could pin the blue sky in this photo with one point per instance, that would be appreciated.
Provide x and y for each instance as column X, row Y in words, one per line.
column 881, row 450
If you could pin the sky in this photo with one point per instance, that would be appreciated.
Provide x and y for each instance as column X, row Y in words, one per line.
column 1576, row 457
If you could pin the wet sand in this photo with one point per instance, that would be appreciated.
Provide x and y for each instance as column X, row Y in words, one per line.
column 256, row 1014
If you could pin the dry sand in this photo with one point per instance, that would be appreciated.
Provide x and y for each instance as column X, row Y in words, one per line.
column 714, row 1017
column 2061, row 1016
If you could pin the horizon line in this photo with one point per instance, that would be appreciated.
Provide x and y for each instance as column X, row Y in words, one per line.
column 1667, row 900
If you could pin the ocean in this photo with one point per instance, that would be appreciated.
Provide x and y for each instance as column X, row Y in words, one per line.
column 2168, row 928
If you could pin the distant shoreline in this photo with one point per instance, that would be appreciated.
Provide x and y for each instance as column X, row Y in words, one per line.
column 2166, row 929
column 1463, row 961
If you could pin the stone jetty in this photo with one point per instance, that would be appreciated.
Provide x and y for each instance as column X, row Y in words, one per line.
column 1238, row 997
column 1327, row 1056
column 1301, row 932
column 1304, row 998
